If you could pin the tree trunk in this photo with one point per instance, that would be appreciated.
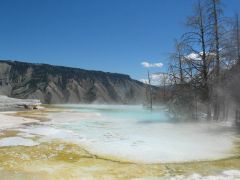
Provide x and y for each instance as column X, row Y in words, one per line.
column 217, row 67
column 216, row 35
column 238, row 38
column 204, row 58
column 150, row 90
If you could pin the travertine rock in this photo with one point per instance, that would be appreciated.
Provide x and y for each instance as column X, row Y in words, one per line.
column 8, row 104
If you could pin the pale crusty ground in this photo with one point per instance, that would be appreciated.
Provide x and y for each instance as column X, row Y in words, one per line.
column 64, row 160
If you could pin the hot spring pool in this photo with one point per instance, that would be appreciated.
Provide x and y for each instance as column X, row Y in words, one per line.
column 135, row 134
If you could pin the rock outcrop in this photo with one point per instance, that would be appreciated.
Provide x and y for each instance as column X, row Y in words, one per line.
column 57, row 84
column 10, row 104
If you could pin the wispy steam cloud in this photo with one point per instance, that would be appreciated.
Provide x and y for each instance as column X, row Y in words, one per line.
column 151, row 65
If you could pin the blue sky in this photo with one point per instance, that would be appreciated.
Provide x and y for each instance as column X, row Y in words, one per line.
column 107, row 35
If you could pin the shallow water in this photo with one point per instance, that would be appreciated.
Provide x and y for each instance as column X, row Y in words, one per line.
column 117, row 142
column 130, row 132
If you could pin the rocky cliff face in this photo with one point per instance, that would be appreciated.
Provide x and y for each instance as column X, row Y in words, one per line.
column 56, row 84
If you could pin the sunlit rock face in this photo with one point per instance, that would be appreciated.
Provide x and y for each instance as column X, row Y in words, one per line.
column 56, row 84
column 8, row 104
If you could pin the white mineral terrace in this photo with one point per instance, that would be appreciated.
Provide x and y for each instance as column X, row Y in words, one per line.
column 7, row 121
column 133, row 134
column 127, row 133
column 8, row 104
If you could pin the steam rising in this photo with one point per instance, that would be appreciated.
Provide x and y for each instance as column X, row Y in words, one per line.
column 130, row 132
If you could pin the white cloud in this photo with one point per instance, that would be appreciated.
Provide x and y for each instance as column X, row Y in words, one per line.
column 160, row 78
column 193, row 56
column 196, row 56
column 157, row 79
column 145, row 81
column 151, row 65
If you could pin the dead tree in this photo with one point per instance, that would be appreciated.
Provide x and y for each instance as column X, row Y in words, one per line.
column 150, row 91
column 215, row 11
column 164, row 80
column 197, row 40
column 177, row 64
column 237, row 38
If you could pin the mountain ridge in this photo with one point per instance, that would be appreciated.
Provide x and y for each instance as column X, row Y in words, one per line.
column 60, row 84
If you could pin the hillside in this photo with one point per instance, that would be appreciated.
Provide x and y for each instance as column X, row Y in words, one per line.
column 57, row 84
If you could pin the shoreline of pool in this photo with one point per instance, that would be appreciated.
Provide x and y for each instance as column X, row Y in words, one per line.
column 73, row 160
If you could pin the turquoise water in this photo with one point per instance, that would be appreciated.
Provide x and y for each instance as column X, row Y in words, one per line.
column 131, row 132
column 118, row 112
column 122, row 134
